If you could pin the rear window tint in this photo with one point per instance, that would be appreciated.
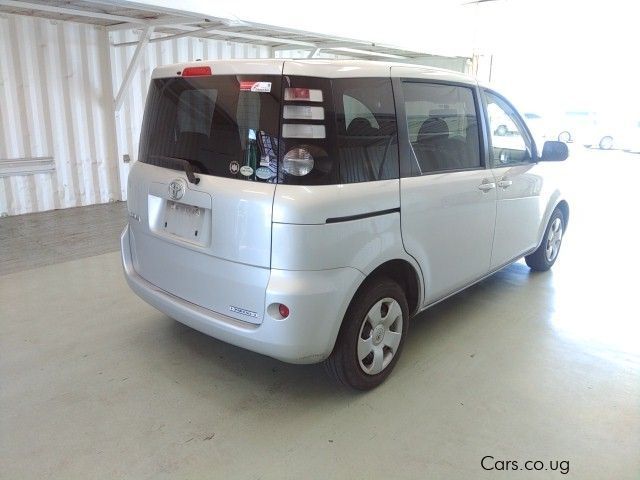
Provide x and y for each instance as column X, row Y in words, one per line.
column 215, row 123
column 367, row 134
column 360, row 141
column 333, row 132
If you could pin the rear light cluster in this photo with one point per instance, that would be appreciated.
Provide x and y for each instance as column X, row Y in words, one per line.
column 299, row 130
column 302, row 95
column 299, row 161
column 302, row 112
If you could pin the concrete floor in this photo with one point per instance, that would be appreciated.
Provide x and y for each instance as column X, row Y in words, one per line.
column 523, row 366
column 39, row 239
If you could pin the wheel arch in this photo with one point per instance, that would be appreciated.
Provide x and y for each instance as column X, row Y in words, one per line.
column 402, row 272
column 557, row 203
column 563, row 206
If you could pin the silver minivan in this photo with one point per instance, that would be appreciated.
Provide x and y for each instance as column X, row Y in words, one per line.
column 307, row 209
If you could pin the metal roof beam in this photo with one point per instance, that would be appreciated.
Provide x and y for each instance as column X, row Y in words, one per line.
column 128, row 76
column 158, row 22
column 70, row 11
column 259, row 38
column 367, row 47
column 213, row 32
column 190, row 33
column 355, row 51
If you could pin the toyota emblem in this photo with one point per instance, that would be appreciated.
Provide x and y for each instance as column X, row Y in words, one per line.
column 177, row 188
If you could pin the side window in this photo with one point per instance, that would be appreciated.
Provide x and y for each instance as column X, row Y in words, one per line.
column 443, row 127
column 354, row 108
column 367, row 134
column 509, row 142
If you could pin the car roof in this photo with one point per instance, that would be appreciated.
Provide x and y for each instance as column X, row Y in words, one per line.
column 325, row 68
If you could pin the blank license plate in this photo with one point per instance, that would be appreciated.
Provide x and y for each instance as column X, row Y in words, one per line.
column 184, row 221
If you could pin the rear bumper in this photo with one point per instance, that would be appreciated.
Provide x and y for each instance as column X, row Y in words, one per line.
column 317, row 301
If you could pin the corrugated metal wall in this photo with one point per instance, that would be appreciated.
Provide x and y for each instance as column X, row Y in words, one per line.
column 55, row 101
column 57, row 85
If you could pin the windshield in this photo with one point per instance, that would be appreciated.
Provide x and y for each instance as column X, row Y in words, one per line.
column 224, row 125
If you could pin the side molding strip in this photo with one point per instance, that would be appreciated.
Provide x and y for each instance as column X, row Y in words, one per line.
column 362, row 215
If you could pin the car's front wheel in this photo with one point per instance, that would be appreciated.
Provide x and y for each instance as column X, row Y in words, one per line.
column 547, row 253
column 372, row 335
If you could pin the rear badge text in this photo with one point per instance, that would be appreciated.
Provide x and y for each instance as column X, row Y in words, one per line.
column 242, row 311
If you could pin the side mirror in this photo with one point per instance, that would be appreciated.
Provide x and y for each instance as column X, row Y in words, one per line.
column 554, row 152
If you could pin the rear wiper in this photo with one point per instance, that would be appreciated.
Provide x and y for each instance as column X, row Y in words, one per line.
column 186, row 165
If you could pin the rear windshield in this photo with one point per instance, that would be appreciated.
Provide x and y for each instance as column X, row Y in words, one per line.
column 223, row 125
column 293, row 130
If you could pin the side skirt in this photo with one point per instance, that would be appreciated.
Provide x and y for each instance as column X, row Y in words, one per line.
column 495, row 270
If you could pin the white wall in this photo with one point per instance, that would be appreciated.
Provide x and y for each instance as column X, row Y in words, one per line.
column 55, row 101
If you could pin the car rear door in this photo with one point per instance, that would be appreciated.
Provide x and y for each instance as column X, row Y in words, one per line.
column 448, row 197
column 208, row 241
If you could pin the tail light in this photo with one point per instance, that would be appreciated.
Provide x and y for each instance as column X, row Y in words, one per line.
column 299, row 130
column 302, row 95
column 298, row 161
column 302, row 112
column 304, row 128
column 196, row 71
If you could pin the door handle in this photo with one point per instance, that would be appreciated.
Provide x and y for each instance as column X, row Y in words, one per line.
column 485, row 186
column 505, row 183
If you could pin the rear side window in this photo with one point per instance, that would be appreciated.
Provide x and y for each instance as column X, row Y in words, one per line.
column 350, row 135
column 367, row 134
column 443, row 127
column 225, row 125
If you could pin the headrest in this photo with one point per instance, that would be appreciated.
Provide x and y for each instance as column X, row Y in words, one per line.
column 433, row 128
column 360, row 126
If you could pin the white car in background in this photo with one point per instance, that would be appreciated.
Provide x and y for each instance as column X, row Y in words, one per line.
column 306, row 210
column 604, row 137
column 543, row 128
column 551, row 127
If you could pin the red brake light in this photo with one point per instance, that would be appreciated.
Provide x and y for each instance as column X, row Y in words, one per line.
column 196, row 71
column 303, row 94
column 284, row 310
column 299, row 93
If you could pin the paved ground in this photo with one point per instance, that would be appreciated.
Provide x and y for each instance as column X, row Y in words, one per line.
column 39, row 239
column 97, row 384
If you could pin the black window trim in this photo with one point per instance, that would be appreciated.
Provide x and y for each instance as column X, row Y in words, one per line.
column 519, row 122
column 407, row 157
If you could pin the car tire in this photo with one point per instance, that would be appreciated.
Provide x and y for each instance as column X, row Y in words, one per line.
column 547, row 253
column 564, row 137
column 372, row 335
column 502, row 130
column 606, row 143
